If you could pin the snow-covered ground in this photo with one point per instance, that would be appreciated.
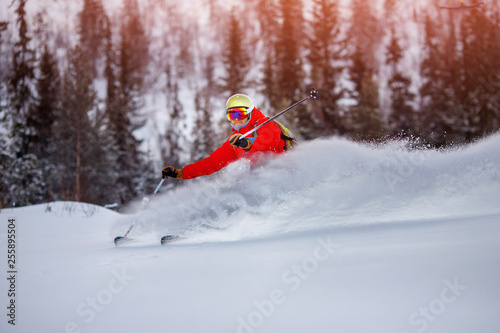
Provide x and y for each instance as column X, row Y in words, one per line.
column 334, row 237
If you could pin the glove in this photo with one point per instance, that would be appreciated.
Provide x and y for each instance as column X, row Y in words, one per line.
column 171, row 172
column 237, row 141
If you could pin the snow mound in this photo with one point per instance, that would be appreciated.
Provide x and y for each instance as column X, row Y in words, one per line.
column 64, row 210
column 328, row 183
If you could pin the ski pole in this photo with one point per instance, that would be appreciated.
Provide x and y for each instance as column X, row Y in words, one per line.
column 146, row 199
column 158, row 187
column 127, row 231
column 313, row 93
column 120, row 239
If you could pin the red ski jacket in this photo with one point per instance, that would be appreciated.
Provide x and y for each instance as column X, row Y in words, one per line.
column 267, row 141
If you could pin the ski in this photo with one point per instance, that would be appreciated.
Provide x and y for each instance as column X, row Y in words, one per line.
column 123, row 239
column 168, row 238
column 120, row 240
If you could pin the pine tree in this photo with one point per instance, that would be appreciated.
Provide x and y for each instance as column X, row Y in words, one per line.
column 110, row 74
column 172, row 143
column 3, row 27
column 460, row 95
column 21, row 83
column 79, row 99
column 290, row 74
column 3, row 74
column 326, row 52
column 133, row 54
column 366, row 120
column 284, row 69
column 479, row 94
column 283, row 73
column 125, row 87
column 5, row 162
column 22, row 170
column 128, row 159
column 80, row 151
column 364, row 35
column 437, row 92
column 235, row 57
column 389, row 9
column 22, row 181
column 267, row 14
column 402, row 118
column 43, row 116
column 203, row 133
column 357, row 71
column 270, row 79
column 74, row 136
column 48, row 86
column 92, row 26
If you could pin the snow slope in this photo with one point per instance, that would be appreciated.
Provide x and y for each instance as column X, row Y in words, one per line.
column 333, row 237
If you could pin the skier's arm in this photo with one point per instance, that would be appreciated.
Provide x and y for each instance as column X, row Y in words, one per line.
column 213, row 163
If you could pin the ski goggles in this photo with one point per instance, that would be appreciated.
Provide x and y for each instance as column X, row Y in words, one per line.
column 238, row 113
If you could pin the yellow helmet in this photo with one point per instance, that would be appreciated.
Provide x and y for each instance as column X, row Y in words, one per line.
column 239, row 101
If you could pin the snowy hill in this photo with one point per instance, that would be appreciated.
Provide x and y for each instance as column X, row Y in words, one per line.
column 333, row 237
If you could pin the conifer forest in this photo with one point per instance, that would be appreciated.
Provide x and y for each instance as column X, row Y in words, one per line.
column 96, row 96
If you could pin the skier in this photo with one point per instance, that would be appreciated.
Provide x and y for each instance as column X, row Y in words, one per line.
column 243, row 115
